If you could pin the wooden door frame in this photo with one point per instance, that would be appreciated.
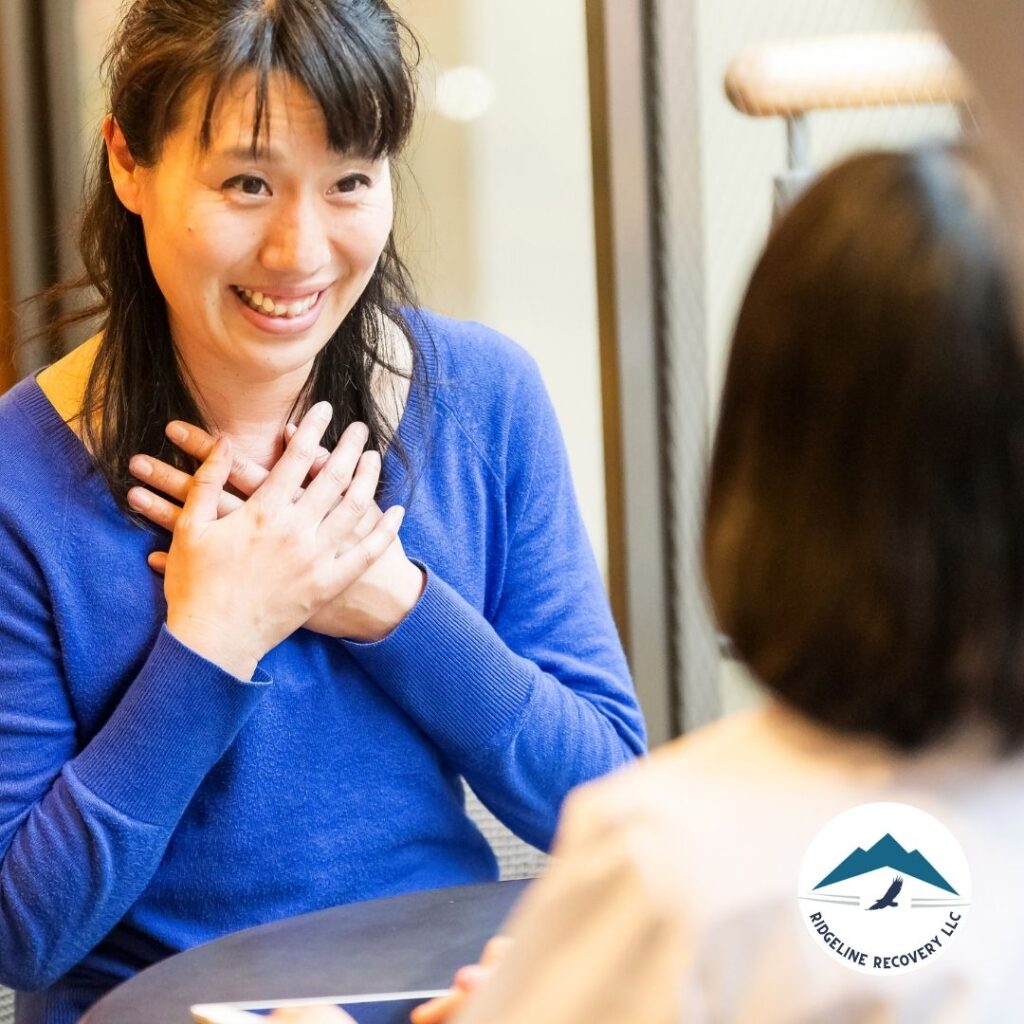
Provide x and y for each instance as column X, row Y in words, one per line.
column 624, row 209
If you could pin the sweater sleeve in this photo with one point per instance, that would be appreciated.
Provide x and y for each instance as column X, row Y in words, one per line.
column 537, row 698
column 83, row 828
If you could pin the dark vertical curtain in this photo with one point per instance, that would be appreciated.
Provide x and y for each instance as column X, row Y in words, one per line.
column 7, row 376
column 40, row 172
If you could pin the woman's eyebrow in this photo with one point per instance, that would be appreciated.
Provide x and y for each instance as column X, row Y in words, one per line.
column 274, row 155
column 262, row 154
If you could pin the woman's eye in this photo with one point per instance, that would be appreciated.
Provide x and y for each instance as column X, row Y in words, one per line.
column 353, row 182
column 248, row 184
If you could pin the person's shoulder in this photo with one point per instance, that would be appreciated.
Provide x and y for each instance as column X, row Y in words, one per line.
column 467, row 353
column 21, row 420
column 672, row 818
column 642, row 822
column 484, row 387
column 696, row 753
column 30, row 455
column 686, row 779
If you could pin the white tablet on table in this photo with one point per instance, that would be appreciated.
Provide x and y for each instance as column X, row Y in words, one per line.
column 369, row 1008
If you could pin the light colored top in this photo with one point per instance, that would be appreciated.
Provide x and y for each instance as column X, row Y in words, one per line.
column 673, row 893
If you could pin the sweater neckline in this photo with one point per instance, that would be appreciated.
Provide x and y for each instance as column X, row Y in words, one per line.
column 43, row 413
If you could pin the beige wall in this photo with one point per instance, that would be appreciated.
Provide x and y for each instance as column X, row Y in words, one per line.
column 94, row 23
column 501, row 227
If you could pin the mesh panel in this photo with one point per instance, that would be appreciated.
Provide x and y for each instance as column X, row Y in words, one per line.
column 516, row 859
column 682, row 307
column 6, row 1006
column 719, row 171
column 742, row 155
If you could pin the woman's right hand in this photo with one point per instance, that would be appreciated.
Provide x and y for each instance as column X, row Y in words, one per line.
column 239, row 585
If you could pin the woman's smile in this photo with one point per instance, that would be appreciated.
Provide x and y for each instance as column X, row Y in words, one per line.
column 280, row 312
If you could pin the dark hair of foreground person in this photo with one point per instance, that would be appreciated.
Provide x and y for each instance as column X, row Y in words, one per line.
column 864, row 547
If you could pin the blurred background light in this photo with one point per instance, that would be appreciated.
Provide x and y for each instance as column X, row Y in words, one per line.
column 463, row 93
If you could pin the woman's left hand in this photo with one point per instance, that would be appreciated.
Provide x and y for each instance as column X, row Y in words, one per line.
column 367, row 610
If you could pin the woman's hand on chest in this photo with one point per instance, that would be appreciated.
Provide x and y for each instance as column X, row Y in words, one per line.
column 367, row 609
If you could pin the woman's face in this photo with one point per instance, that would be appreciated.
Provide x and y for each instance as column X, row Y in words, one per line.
column 259, row 259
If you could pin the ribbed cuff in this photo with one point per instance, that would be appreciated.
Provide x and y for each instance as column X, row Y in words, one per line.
column 447, row 668
column 173, row 724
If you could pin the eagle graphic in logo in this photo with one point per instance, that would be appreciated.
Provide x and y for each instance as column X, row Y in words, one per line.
column 889, row 899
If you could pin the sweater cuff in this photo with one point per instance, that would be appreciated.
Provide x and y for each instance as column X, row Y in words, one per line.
column 173, row 724
column 447, row 668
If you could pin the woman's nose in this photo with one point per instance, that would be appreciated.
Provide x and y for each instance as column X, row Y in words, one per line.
column 296, row 241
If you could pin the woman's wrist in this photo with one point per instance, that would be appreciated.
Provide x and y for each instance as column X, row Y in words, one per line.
column 409, row 592
column 406, row 588
column 213, row 642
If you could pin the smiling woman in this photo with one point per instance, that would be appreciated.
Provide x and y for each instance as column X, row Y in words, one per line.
column 262, row 148
column 277, row 718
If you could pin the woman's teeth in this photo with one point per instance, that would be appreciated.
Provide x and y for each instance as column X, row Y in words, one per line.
column 268, row 307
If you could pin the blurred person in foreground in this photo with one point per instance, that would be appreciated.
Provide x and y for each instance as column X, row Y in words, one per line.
column 864, row 549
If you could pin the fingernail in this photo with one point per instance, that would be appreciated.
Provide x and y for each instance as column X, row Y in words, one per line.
column 322, row 409
column 140, row 465
column 289, row 430
column 140, row 499
column 176, row 432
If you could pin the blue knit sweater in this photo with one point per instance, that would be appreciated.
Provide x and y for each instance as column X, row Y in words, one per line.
column 149, row 801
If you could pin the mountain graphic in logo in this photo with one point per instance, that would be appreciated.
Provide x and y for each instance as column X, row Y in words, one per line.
column 886, row 853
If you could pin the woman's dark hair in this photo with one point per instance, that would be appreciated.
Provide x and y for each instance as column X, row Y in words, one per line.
column 864, row 539
column 357, row 59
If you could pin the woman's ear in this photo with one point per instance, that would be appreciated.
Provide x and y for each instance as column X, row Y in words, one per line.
column 123, row 168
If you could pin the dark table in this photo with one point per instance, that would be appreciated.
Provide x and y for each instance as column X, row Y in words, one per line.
column 416, row 941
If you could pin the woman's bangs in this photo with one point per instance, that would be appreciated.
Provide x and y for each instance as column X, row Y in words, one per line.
column 358, row 79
